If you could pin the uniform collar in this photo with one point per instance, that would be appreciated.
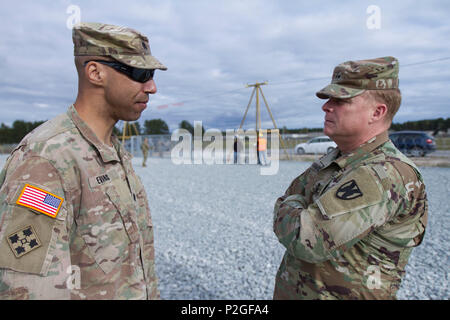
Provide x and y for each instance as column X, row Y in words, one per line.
column 106, row 153
column 343, row 160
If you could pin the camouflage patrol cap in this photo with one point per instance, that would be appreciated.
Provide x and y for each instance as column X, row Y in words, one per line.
column 120, row 43
column 352, row 78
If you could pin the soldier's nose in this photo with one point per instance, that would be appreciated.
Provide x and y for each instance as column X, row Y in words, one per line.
column 150, row 86
column 327, row 107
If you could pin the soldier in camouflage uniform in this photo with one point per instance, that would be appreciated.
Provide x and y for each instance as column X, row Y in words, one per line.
column 145, row 147
column 74, row 216
column 351, row 220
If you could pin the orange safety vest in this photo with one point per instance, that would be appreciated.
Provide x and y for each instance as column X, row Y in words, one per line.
column 262, row 144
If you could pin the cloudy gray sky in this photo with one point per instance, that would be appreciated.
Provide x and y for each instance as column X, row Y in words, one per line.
column 214, row 48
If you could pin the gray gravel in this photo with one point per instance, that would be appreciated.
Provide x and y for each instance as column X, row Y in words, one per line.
column 214, row 239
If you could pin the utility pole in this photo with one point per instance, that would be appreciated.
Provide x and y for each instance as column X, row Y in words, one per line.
column 257, row 89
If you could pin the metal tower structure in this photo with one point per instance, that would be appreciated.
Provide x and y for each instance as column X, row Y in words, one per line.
column 257, row 89
column 127, row 132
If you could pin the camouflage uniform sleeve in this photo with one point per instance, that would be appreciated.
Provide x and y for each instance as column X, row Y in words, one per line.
column 335, row 220
column 296, row 188
column 409, row 221
column 288, row 208
column 33, row 246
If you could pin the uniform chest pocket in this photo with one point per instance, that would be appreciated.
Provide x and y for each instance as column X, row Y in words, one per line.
column 102, row 229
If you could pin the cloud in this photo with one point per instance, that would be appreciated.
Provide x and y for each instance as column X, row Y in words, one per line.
column 41, row 105
column 214, row 48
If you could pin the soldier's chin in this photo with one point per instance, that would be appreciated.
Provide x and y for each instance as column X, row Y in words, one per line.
column 132, row 117
column 136, row 113
column 138, row 109
column 327, row 131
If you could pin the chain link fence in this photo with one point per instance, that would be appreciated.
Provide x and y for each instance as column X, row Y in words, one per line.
column 161, row 145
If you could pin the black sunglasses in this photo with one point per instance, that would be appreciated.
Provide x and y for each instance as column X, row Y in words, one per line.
column 136, row 74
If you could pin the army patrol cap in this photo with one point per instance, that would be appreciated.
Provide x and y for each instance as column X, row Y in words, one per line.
column 352, row 78
column 120, row 43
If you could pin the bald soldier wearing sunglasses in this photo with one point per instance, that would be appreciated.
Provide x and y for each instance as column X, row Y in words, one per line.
column 74, row 217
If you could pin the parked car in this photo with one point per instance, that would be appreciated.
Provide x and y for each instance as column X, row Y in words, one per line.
column 413, row 143
column 321, row 144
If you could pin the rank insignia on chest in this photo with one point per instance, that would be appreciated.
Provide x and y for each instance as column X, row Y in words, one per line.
column 349, row 191
column 40, row 200
column 23, row 241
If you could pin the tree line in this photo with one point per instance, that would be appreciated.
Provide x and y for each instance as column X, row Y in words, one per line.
column 435, row 125
column 20, row 128
column 156, row 126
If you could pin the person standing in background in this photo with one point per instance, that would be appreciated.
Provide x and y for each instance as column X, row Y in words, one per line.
column 145, row 147
column 262, row 149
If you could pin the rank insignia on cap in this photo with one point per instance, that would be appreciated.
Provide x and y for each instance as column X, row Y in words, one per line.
column 349, row 191
column 23, row 241
column 40, row 200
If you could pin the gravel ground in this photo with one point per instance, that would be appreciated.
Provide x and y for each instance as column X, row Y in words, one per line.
column 214, row 239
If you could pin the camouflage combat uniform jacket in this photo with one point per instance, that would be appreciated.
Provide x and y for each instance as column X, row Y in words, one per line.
column 349, row 224
column 100, row 244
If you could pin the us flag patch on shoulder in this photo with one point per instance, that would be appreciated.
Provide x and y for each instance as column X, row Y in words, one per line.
column 40, row 200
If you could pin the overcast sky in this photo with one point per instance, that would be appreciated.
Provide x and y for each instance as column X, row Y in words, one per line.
column 214, row 48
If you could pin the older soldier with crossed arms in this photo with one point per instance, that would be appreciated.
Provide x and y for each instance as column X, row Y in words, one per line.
column 74, row 217
column 350, row 221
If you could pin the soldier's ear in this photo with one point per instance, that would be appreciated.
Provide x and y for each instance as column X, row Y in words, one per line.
column 95, row 73
column 379, row 112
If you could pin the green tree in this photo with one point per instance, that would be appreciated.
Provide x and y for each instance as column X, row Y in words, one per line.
column 423, row 125
column 19, row 130
column 197, row 126
column 156, row 126
column 440, row 125
column 186, row 125
column 137, row 125
column 447, row 124
column 5, row 134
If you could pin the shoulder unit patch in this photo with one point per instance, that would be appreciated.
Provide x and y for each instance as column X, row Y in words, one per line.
column 40, row 200
column 23, row 241
column 349, row 191
column 359, row 190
